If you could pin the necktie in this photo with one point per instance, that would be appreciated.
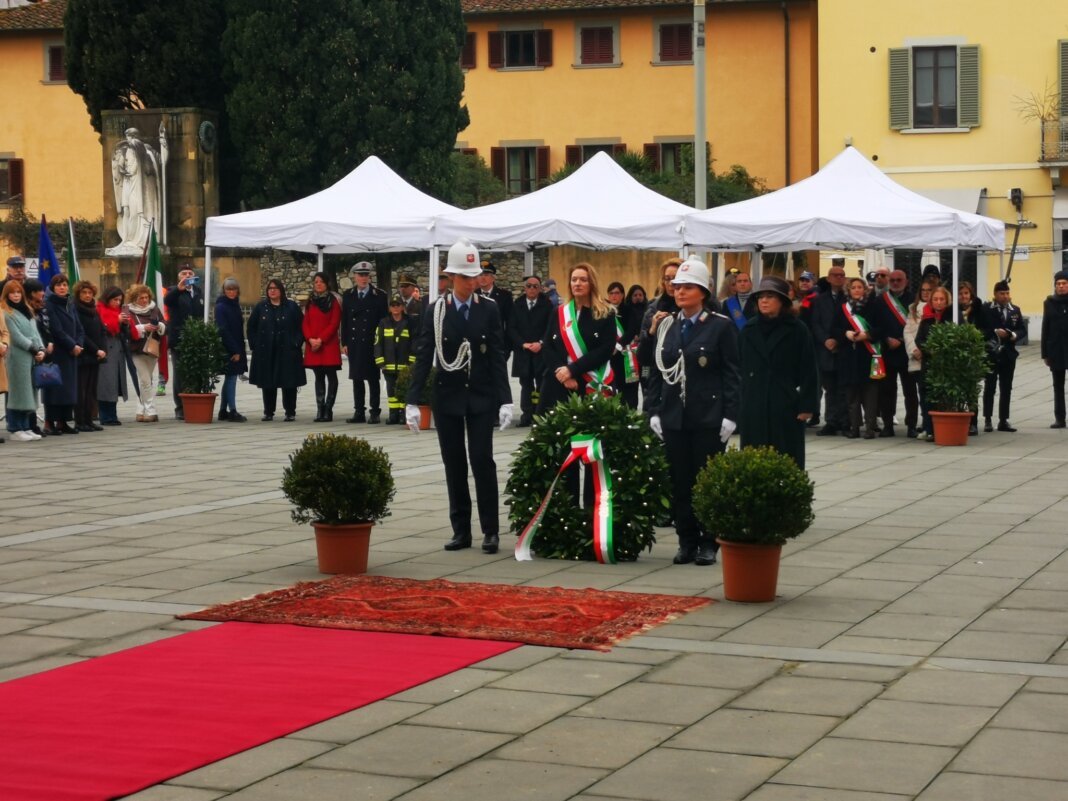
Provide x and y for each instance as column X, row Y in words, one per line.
column 686, row 326
column 530, row 305
column 363, row 294
column 1005, row 315
column 463, row 310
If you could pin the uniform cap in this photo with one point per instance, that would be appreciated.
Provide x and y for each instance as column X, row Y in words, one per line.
column 405, row 279
column 361, row 268
column 16, row 261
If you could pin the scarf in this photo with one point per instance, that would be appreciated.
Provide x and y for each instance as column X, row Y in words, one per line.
column 929, row 313
column 20, row 307
column 142, row 309
column 324, row 301
column 110, row 318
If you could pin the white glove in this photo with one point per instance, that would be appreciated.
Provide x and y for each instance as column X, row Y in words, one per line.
column 657, row 428
column 505, row 415
column 726, row 430
column 412, row 416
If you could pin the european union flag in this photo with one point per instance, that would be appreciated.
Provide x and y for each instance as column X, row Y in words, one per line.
column 48, row 264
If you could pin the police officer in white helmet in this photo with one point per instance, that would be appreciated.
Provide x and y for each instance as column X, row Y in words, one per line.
column 461, row 335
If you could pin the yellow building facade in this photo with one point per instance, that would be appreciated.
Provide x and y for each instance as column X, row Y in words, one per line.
column 49, row 153
column 946, row 97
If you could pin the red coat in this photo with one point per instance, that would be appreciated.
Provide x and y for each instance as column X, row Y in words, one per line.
column 323, row 325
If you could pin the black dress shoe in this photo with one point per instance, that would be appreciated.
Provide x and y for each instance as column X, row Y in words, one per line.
column 911, row 433
column 111, row 423
column 685, row 555
column 357, row 417
column 852, row 434
column 827, row 431
column 988, row 426
column 289, row 418
column 1058, row 424
column 67, row 428
column 973, row 430
column 706, row 553
column 813, row 423
column 179, row 414
column 887, row 432
column 223, row 414
column 375, row 418
column 869, row 435
column 1004, row 426
column 490, row 543
column 458, row 543
column 267, row 417
column 235, row 417
column 95, row 427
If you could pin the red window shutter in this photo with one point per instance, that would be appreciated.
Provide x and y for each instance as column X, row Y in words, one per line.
column 57, row 69
column 543, row 48
column 668, row 46
column 497, row 163
column 573, row 155
column 619, row 150
column 605, row 50
column 467, row 55
column 496, row 49
column 652, row 152
column 542, row 159
column 588, row 52
column 685, row 42
column 15, row 180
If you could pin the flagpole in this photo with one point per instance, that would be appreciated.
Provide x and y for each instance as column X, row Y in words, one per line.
column 73, row 251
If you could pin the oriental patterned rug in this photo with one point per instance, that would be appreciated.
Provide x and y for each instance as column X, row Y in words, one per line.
column 553, row 616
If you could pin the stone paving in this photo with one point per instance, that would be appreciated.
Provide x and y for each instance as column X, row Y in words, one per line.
column 916, row 651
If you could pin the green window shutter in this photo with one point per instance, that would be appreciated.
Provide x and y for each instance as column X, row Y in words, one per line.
column 1062, row 64
column 968, row 86
column 900, row 88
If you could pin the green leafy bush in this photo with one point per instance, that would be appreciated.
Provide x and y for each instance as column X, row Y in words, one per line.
column 641, row 486
column 404, row 380
column 753, row 495
column 201, row 358
column 955, row 362
column 338, row 479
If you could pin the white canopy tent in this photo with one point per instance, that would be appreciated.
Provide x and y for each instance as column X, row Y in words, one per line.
column 848, row 205
column 598, row 206
column 371, row 209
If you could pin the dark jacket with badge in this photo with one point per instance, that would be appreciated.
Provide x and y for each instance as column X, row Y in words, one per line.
column 359, row 319
column 600, row 339
column 1000, row 350
column 528, row 325
column 780, row 380
column 713, row 387
column 1055, row 331
column 480, row 387
column 503, row 298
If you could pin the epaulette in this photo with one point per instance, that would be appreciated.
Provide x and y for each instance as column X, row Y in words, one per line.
column 721, row 316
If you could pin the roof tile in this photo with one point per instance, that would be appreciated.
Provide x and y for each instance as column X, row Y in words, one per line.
column 519, row 6
column 44, row 15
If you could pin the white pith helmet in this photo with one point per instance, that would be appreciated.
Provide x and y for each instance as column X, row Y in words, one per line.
column 692, row 271
column 463, row 260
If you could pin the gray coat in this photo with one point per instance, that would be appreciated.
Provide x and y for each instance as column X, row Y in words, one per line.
column 21, row 396
column 111, row 381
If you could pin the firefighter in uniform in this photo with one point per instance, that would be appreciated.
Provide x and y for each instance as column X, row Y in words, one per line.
column 462, row 334
column 362, row 307
column 393, row 350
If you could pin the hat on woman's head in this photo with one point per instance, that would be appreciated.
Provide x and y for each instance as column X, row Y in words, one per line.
column 692, row 271
column 772, row 283
column 463, row 260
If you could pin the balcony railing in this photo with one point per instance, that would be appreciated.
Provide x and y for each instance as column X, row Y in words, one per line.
column 1055, row 140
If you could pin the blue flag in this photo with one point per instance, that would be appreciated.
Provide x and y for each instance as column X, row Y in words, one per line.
column 47, row 263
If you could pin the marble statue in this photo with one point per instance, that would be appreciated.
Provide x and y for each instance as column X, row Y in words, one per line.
column 138, row 175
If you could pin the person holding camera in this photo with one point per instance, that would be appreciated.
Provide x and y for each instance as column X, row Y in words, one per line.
column 184, row 301
column 1004, row 326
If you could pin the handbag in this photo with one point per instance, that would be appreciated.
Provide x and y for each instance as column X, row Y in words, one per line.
column 151, row 347
column 47, row 374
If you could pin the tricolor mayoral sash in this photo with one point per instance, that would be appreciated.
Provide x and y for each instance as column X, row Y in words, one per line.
column 597, row 380
column 630, row 355
column 860, row 325
column 900, row 312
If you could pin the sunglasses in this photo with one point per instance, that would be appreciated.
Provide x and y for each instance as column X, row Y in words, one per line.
column 533, row 286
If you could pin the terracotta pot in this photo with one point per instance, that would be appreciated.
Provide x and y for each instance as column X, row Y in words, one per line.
column 198, row 408
column 343, row 548
column 424, row 418
column 750, row 572
column 951, row 428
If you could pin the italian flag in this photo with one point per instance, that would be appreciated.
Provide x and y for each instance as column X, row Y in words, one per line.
column 151, row 272
column 74, row 275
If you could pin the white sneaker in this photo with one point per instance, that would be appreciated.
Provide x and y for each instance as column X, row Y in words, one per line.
column 32, row 435
column 21, row 436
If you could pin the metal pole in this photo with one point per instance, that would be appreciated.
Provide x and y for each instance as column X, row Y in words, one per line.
column 700, row 160
column 207, row 279
column 956, row 288
column 319, row 259
column 528, row 262
column 432, row 275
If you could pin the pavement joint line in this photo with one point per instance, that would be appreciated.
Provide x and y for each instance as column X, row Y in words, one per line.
column 999, row 666
column 116, row 605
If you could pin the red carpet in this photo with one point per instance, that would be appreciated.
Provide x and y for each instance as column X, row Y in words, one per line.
column 113, row 725
column 552, row 616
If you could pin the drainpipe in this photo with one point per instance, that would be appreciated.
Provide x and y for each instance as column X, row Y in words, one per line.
column 786, row 84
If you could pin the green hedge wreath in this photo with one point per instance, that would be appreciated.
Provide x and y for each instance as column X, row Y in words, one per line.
column 641, row 484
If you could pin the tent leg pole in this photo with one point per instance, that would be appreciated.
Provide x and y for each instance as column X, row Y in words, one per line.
column 432, row 275
column 319, row 259
column 528, row 262
column 207, row 279
column 956, row 287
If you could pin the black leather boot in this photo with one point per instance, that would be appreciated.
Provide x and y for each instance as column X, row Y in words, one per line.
column 320, row 409
column 328, row 407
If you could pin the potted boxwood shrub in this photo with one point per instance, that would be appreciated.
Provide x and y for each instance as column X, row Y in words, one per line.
column 955, row 362
column 404, row 380
column 752, row 500
column 342, row 486
column 201, row 358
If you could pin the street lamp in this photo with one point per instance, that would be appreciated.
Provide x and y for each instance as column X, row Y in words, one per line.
column 700, row 164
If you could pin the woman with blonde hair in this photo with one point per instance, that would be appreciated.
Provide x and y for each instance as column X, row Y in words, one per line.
column 579, row 341
column 26, row 349
column 146, row 328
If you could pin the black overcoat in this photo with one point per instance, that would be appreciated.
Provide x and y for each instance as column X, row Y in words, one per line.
column 600, row 339
column 1055, row 331
column 228, row 321
column 528, row 325
column 65, row 329
column 276, row 340
column 780, row 380
column 481, row 387
column 359, row 320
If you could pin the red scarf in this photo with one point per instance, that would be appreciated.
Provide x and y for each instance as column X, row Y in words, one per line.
column 110, row 318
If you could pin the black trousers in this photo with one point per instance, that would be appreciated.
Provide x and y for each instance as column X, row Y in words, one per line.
column 1058, row 394
column 864, row 397
column 270, row 399
column 325, row 381
column 835, row 413
column 528, row 395
column 688, row 450
column 629, row 394
column 888, row 396
column 999, row 379
column 477, row 430
column 88, row 375
column 359, row 395
column 177, row 385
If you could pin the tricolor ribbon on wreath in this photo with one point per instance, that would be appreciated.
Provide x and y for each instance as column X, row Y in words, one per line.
column 589, row 450
column 598, row 380
column 630, row 355
column 860, row 325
